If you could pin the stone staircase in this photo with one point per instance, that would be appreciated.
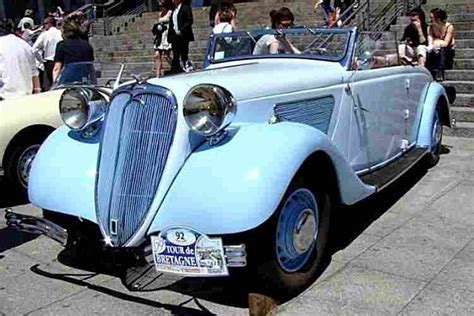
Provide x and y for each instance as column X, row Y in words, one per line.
column 461, row 77
column 133, row 45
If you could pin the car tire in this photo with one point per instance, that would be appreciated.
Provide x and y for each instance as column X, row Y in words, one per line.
column 436, row 140
column 19, row 162
column 287, row 262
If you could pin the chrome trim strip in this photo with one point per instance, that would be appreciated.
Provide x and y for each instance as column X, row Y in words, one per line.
column 384, row 163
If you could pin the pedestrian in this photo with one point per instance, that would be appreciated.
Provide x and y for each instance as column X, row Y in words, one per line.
column 281, row 19
column 415, row 38
column 441, row 44
column 73, row 49
column 45, row 48
column 227, row 10
column 18, row 73
column 82, row 22
column 27, row 18
column 226, row 22
column 160, row 30
column 29, row 34
column 216, row 7
column 180, row 34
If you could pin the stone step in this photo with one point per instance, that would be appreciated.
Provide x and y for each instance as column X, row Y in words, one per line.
column 465, row 43
column 464, row 34
column 464, row 53
column 463, row 63
column 146, row 58
column 459, row 26
column 459, row 75
column 462, row 87
column 462, row 129
column 462, row 114
column 464, row 100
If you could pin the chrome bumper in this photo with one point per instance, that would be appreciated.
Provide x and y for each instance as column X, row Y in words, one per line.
column 36, row 225
column 235, row 255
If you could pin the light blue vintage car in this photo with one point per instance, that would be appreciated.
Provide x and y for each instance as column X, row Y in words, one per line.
column 236, row 168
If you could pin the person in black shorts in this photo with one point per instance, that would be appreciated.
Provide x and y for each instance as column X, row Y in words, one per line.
column 73, row 49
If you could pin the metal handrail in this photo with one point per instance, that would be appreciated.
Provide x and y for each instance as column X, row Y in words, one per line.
column 363, row 14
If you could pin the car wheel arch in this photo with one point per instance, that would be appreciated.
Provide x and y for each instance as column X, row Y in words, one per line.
column 23, row 134
column 317, row 160
column 444, row 111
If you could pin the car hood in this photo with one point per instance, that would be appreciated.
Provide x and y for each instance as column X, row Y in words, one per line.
column 259, row 78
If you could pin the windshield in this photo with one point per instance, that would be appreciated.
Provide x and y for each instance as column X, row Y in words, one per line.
column 300, row 42
column 77, row 73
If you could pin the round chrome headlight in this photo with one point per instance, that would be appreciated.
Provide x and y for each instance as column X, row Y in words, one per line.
column 79, row 107
column 208, row 109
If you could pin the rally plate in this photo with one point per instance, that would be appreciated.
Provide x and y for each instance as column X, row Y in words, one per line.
column 187, row 252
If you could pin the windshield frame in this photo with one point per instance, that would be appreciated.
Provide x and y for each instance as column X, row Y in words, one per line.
column 343, row 60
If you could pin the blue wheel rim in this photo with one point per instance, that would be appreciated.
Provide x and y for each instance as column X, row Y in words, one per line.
column 297, row 230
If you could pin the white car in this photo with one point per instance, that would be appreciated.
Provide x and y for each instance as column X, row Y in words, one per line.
column 27, row 121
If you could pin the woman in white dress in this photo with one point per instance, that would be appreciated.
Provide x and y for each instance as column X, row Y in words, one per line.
column 160, row 29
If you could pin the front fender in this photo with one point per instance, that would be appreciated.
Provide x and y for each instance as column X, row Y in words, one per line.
column 63, row 174
column 237, row 185
column 434, row 93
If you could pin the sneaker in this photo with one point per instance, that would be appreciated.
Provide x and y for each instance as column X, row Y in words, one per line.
column 188, row 66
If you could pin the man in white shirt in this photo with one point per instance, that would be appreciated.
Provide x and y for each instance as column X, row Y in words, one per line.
column 26, row 19
column 45, row 48
column 18, row 73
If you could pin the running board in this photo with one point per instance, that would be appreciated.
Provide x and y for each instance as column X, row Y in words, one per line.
column 384, row 176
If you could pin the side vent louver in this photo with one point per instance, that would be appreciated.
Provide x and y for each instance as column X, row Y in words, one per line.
column 313, row 112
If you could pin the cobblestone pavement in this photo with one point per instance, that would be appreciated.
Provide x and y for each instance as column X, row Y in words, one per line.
column 408, row 250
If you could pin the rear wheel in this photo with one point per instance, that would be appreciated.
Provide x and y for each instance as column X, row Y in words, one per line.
column 296, row 238
column 436, row 140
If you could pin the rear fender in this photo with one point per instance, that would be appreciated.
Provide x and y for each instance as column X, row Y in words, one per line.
column 435, row 96
column 63, row 174
column 237, row 185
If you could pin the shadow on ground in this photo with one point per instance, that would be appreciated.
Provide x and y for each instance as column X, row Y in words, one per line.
column 10, row 238
column 8, row 197
column 347, row 225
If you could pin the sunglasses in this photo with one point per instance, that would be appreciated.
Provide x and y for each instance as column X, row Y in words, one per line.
column 285, row 24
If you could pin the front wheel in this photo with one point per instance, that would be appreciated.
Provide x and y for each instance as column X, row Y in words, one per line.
column 297, row 235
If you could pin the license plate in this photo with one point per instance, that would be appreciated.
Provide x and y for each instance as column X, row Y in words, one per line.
column 185, row 251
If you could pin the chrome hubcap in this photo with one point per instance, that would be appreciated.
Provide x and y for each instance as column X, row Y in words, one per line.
column 25, row 162
column 305, row 230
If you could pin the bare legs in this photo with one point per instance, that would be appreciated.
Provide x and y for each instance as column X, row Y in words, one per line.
column 160, row 56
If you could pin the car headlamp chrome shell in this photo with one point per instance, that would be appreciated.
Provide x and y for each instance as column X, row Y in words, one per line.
column 80, row 107
column 208, row 109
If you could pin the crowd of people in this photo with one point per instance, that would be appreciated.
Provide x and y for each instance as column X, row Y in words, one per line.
column 32, row 56
column 174, row 31
column 433, row 45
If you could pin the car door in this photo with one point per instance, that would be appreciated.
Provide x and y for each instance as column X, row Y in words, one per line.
column 379, row 101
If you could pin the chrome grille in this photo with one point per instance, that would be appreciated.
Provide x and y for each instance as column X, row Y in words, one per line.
column 313, row 112
column 138, row 134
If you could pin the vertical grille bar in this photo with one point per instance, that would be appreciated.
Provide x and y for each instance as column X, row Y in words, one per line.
column 137, row 138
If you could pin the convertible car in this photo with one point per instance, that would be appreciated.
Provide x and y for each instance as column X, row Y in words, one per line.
column 236, row 168
column 26, row 123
